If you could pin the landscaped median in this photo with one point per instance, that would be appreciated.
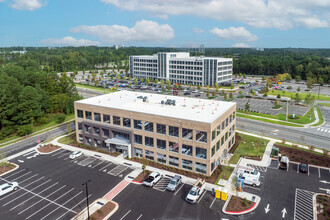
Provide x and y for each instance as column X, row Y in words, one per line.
column 7, row 167
column 47, row 148
column 236, row 205
column 321, row 203
column 100, row 209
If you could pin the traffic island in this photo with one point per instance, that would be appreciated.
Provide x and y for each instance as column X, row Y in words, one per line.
column 99, row 210
column 322, row 203
column 141, row 177
column 7, row 167
column 239, row 206
column 47, row 149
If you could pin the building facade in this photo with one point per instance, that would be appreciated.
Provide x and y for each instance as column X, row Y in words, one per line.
column 182, row 68
column 186, row 133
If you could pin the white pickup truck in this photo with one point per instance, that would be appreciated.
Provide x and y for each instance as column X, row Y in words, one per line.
column 196, row 191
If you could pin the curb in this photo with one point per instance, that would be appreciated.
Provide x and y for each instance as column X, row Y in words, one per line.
column 314, row 205
column 136, row 182
column 41, row 153
column 256, row 203
column 9, row 171
column 113, row 211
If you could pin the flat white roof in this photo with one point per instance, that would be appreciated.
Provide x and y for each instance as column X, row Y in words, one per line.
column 192, row 109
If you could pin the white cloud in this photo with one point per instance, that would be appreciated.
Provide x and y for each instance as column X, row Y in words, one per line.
column 197, row 30
column 233, row 33
column 29, row 5
column 70, row 41
column 144, row 30
column 280, row 14
column 312, row 22
column 241, row 45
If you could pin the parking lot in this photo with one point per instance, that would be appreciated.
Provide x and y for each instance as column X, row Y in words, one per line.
column 50, row 186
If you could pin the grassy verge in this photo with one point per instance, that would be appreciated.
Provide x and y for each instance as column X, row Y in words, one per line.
column 249, row 146
column 36, row 129
column 324, row 104
column 225, row 173
column 95, row 88
column 269, row 121
column 302, row 94
column 321, row 119
column 67, row 139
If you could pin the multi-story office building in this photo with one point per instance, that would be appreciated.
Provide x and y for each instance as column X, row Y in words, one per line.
column 181, row 68
column 186, row 133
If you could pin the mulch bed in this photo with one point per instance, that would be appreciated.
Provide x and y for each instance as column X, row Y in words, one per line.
column 323, row 207
column 101, row 213
column 298, row 155
column 236, row 204
column 238, row 140
column 5, row 167
column 48, row 148
column 210, row 179
column 142, row 176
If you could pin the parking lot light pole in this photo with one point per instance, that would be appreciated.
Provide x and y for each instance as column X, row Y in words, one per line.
column 87, row 197
column 287, row 109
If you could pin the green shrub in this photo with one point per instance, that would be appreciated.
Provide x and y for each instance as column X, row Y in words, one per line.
column 60, row 118
column 244, row 202
column 99, row 211
column 24, row 130
column 43, row 120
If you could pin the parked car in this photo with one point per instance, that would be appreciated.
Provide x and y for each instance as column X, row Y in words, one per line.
column 153, row 178
column 174, row 183
column 75, row 154
column 8, row 187
column 198, row 95
column 303, row 168
column 284, row 162
column 196, row 191
column 186, row 93
column 250, row 180
column 201, row 92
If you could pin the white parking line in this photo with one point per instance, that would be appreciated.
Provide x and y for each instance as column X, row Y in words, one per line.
column 15, row 173
column 65, row 154
column 297, row 168
column 250, row 187
column 319, row 173
column 139, row 217
column 178, row 189
column 59, row 152
column 33, row 196
column 201, row 196
column 125, row 215
column 19, row 189
column 212, row 202
column 308, row 170
column 98, row 164
column 50, row 203
column 62, row 205
column 105, row 167
column 25, row 193
column 74, row 206
column 28, row 178
column 21, row 176
column 29, row 153
column 40, row 200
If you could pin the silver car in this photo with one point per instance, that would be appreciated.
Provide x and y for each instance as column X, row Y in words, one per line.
column 173, row 184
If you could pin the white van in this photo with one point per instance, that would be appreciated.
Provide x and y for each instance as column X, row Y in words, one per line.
column 247, row 171
column 250, row 180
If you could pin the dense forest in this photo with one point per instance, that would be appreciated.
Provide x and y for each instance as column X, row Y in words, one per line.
column 299, row 63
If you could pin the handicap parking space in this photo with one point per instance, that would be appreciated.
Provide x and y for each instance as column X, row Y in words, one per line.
column 162, row 184
column 303, row 205
column 118, row 170
column 325, row 174
column 258, row 168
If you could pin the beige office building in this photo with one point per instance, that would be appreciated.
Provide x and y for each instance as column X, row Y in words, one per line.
column 186, row 133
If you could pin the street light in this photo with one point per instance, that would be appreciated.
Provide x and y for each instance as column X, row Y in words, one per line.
column 87, row 196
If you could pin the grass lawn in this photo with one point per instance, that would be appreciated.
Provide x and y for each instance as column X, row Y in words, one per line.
column 321, row 121
column 325, row 104
column 52, row 122
column 302, row 94
column 268, row 120
column 250, row 146
column 225, row 173
column 95, row 88
column 67, row 139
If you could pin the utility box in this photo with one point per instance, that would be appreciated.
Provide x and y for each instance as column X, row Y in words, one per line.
column 275, row 151
column 218, row 192
column 224, row 194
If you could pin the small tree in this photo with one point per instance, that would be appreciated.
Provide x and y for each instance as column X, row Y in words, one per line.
column 199, row 87
column 247, row 106
column 231, row 95
column 207, row 88
column 275, row 103
column 240, row 92
column 289, row 87
column 297, row 98
column 278, row 96
column 225, row 96
column 298, row 89
column 147, row 80
column 156, row 80
column 3, row 161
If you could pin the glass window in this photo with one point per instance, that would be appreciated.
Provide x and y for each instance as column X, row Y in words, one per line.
column 233, row 115
column 88, row 115
column 116, row 120
column 89, row 140
column 161, row 144
column 97, row 143
column 138, row 152
column 173, row 147
column 200, row 167
column 173, row 131
column 81, row 138
column 149, row 155
column 187, row 150
column 96, row 130
column 218, row 130
column 120, row 134
column 161, row 158
column 222, row 140
column 230, row 119
column 97, row 116
column 212, row 165
column 218, row 145
column 187, row 164
column 223, row 125
column 226, row 136
column 174, row 161
column 106, row 119
column 201, row 136
column 127, row 122
column 105, row 132
column 148, row 141
column 79, row 126
column 213, row 151
column 226, row 122
column 200, row 153
column 80, row 113
column 138, row 124
column 137, row 139
column 213, row 134
column 88, row 128
column 161, row 129
column 187, row 133
column 149, row 126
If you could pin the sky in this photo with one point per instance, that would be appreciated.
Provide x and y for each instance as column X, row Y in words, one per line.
column 166, row 23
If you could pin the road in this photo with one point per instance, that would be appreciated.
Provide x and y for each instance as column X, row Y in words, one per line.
column 306, row 136
column 33, row 141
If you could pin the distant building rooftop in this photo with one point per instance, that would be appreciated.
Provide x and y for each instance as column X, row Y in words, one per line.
column 192, row 109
